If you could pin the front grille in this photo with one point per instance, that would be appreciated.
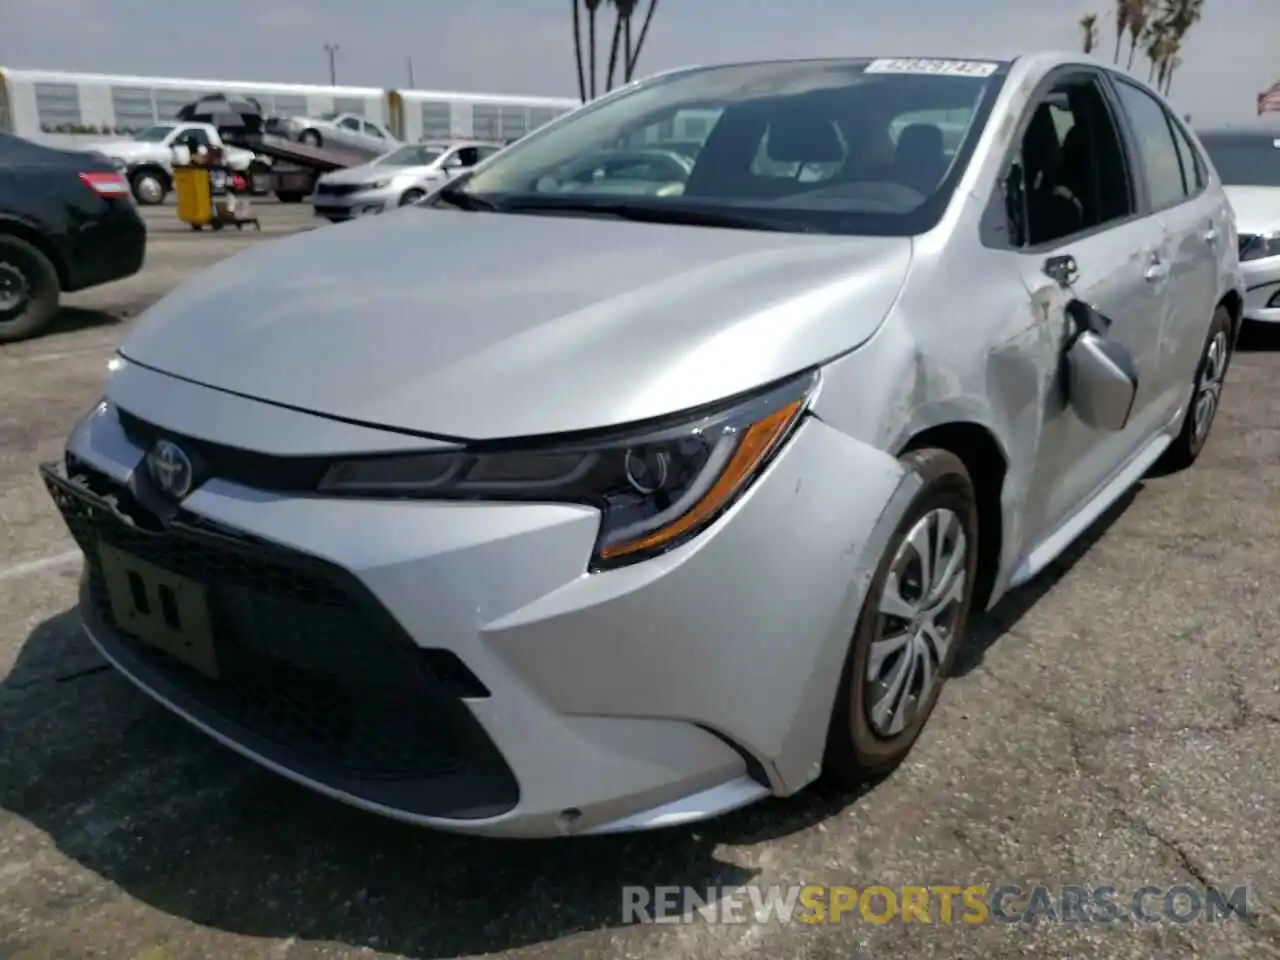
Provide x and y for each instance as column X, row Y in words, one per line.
column 249, row 468
column 337, row 189
column 1247, row 240
column 313, row 670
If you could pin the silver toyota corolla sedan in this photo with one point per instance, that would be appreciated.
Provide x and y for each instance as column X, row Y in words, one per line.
column 526, row 512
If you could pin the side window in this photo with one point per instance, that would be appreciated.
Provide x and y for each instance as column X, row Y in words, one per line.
column 194, row 137
column 468, row 156
column 349, row 123
column 1070, row 174
column 373, row 131
column 1193, row 172
column 487, row 152
column 1156, row 147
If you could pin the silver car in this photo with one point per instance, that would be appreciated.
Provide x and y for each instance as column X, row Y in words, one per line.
column 347, row 130
column 526, row 514
column 1248, row 161
column 403, row 176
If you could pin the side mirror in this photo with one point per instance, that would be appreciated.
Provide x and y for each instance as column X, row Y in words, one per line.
column 1102, row 381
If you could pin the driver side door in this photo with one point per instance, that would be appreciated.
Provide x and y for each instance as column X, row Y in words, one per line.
column 1084, row 208
column 347, row 132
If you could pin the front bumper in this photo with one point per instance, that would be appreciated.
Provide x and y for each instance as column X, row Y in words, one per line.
column 359, row 204
column 1262, row 289
column 453, row 664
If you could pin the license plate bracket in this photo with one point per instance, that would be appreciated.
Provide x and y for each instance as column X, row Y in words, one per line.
column 162, row 609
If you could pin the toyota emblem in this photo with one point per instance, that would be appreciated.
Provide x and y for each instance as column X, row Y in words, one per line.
column 171, row 469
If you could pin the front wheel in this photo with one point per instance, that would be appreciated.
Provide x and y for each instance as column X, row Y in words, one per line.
column 912, row 624
column 411, row 196
column 311, row 137
column 1206, row 395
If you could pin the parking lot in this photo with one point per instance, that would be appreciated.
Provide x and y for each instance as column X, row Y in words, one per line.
column 1117, row 722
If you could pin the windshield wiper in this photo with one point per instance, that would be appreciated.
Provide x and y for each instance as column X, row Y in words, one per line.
column 659, row 213
column 463, row 200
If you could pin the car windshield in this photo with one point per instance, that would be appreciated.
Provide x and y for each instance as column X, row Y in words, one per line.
column 1245, row 161
column 413, row 155
column 847, row 146
column 155, row 134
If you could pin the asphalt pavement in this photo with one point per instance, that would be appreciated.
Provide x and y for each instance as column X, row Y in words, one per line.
column 1116, row 723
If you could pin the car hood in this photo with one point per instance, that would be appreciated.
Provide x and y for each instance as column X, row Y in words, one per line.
column 1257, row 208
column 482, row 326
column 124, row 148
column 368, row 172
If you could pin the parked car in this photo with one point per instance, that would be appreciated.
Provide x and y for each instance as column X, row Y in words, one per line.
column 629, row 171
column 1248, row 161
column 338, row 129
column 396, row 179
column 66, row 223
column 526, row 513
column 147, row 158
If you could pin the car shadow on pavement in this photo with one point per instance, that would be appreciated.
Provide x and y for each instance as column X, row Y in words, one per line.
column 138, row 799
column 71, row 319
column 1013, row 606
column 1259, row 338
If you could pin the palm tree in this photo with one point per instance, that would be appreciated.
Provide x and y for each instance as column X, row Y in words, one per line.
column 592, row 7
column 1123, row 9
column 621, row 33
column 1179, row 17
column 1140, row 15
column 634, row 55
column 577, row 50
column 1089, row 24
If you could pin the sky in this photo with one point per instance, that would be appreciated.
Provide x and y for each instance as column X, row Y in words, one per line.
column 526, row 46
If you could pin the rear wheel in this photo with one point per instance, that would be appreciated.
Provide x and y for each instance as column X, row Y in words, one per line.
column 29, row 290
column 149, row 187
column 411, row 196
column 311, row 137
column 1206, row 396
column 912, row 623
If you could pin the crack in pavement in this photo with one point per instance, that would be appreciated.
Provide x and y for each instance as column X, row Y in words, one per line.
column 1263, row 923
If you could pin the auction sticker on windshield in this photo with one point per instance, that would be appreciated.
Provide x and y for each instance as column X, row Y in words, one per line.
column 941, row 68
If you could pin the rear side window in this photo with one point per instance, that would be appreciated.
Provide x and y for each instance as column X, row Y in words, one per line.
column 1193, row 173
column 1157, row 150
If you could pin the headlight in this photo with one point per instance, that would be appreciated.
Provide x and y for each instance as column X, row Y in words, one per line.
column 1260, row 246
column 377, row 185
column 656, row 487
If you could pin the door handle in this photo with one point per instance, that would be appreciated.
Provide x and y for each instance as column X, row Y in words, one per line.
column 1156, row 270
column 1211, row 235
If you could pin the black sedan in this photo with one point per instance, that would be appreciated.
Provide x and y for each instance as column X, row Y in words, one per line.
column 67, row 222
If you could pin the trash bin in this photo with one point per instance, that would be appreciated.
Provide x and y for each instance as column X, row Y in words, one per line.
column 195, row 195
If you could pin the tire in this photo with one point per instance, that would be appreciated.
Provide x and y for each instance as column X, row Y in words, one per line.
column 412, row 195
column 290, row 196
column 857, row 750
column 311, row 137
column 29, row 290
column 149, row 187
column 1211, row 373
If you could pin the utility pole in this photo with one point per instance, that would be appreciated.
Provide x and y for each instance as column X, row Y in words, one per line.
column 332, row 49
column 408, row 62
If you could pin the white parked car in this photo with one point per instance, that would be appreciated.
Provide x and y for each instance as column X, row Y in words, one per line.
column 1248, row 161
column 340, row 130
column 401, row 177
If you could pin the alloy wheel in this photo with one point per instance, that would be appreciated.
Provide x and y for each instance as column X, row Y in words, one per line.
column 917, row 612
column 15, row 291
column 1209, row 387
